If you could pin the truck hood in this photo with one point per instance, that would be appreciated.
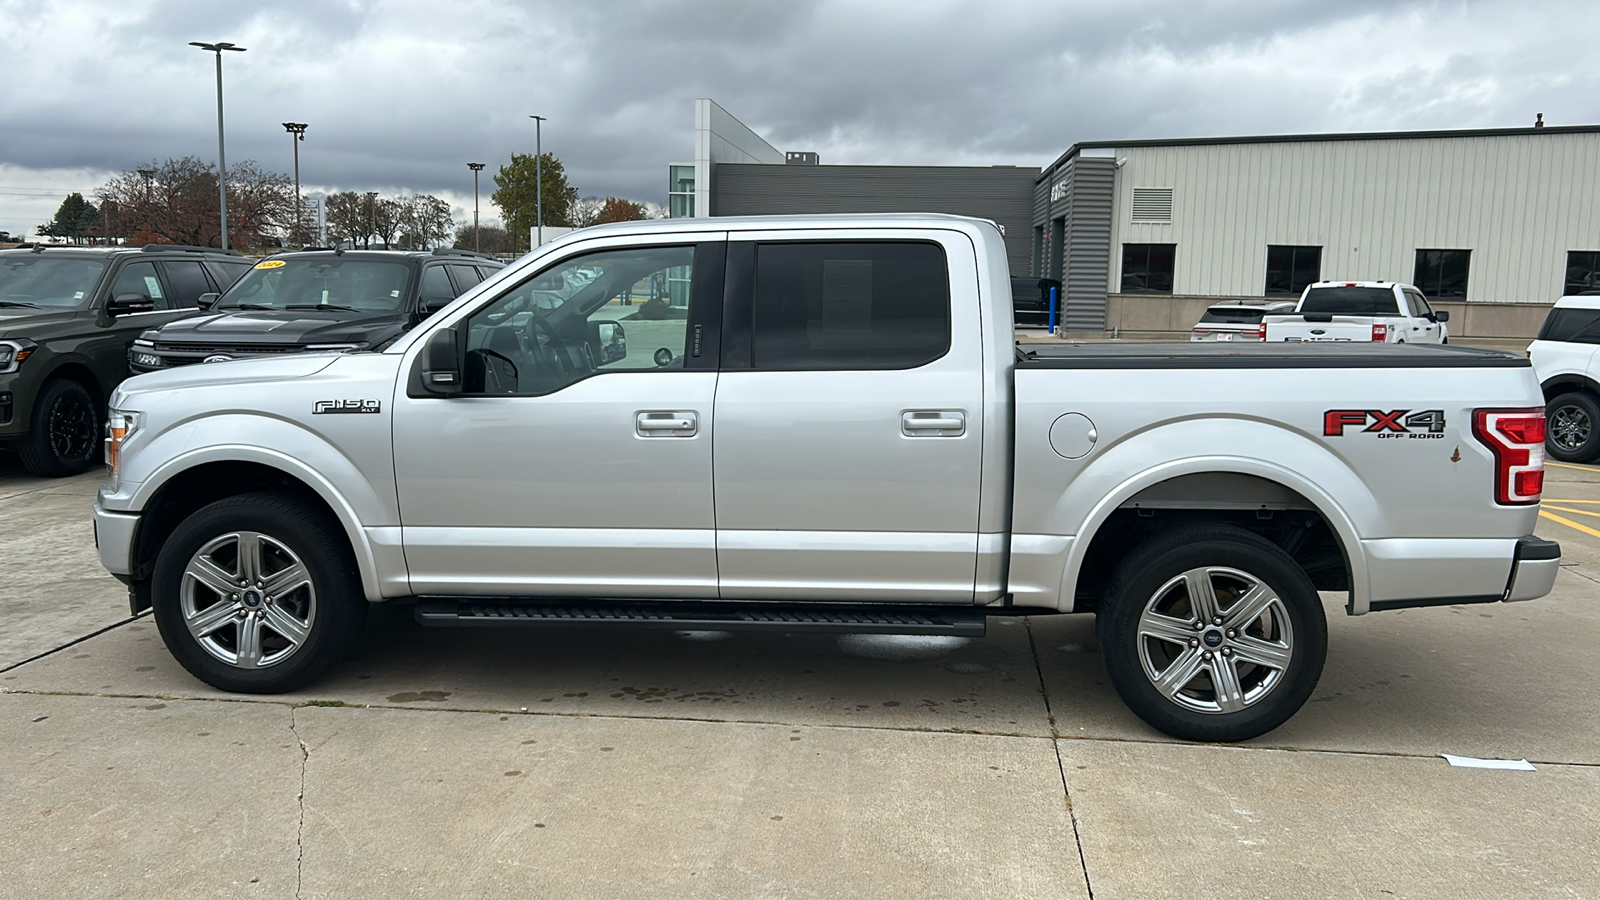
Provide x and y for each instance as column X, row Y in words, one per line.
column 18, row 321
column 281, row 327
column 240, row 371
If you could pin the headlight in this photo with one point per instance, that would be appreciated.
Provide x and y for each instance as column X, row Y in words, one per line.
column 336, row 346
column 120, row 425
column 13, row 352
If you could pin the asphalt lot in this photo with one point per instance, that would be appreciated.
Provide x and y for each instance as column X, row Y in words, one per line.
column 625, row 763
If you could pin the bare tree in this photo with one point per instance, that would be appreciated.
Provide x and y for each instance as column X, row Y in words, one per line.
column 175, row 202
column 585, row 211
column 425, row 221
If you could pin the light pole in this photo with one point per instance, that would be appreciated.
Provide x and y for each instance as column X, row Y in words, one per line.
column 144, row 205
column 476, row 168
column 222, row 160
column 372, row 216
column 538, row 175
column 297, row 133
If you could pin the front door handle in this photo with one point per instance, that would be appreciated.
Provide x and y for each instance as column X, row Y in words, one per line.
column 666, row 423
column 933, row 423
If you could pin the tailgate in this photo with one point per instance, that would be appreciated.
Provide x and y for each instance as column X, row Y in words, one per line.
column 1319, row 328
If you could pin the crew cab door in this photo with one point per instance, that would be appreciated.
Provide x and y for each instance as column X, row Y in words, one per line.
column 577, row 461
column 849, row 417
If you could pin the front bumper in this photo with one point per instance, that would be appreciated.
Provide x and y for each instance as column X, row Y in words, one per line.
column 113, row 537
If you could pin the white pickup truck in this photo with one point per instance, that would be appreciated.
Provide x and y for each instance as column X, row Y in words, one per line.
column 1379, row 312
column 820, row 423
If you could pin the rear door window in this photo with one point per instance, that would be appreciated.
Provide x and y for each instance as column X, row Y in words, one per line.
column 187, row 279
column 1578, row 326
column 465, row 277
column 226, row 273
column 1351, row 301
column 435, row 283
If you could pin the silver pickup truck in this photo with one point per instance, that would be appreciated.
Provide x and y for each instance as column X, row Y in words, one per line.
column 806, row 423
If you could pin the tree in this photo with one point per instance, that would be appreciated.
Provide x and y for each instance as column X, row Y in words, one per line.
column 585, row 211
column 490, row 239
column 425, row 221
column 517, row 198
column 349, row 218
column 75, row 219
column 175, row 202
column 617, row 209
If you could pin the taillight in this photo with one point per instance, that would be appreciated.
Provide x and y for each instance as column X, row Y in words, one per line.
column 1259, row 332
column 1199, row 331
column 1380, row 332
column 1516, row 438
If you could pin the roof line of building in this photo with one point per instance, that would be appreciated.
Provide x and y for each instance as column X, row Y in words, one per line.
column 1317, row 138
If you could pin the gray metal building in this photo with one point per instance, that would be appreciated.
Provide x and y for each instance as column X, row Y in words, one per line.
column 1494, row 224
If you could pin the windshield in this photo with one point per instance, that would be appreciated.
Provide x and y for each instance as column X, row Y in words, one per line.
column 1351, row 301
column 35, row 279
column 360, row 284
column 1245, row 315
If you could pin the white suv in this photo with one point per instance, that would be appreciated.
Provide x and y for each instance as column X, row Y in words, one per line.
column 1563, row 358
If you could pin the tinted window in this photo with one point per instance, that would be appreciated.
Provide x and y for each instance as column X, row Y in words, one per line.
column 466, row 278
column 436, row 284
column 1419, row 304
column 187, row 279
column 849, row 305
column 140, row 278
column 226, row 273
column 571, row 321
column 1351, row 301
column 38, row 279
column 362, row 284
column 1291, row 269
column 1581, row 326
column 1583, row 272
column 1147, row 268
column 1234, row 314
column 1442, row 273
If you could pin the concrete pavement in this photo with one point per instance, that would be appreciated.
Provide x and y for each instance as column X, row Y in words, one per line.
column 597, row 762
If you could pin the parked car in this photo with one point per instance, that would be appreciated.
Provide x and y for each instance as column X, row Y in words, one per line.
column 831, row 434
column 1237, row 320
column 315, row 299
column 1563, row 357
column 67, row 317
column 1382, row 312
column 1030, row 300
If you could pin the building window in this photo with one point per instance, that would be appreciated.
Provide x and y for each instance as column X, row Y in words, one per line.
column 1147, row 268
column 1291, row 269
column 680, row 192
column 1583, row 272
column 1442, row 273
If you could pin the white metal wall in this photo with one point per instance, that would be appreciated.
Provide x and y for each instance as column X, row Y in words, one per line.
column 1518, row 202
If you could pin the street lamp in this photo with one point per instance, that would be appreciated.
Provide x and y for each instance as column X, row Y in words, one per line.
column 538, row 175
column 372, row 216
column 222, row 161
column 476, row 168
column 297, row 133
column 144, row 204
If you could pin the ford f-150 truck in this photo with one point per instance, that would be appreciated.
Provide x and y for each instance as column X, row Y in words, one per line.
column 822, row 423
column 1380, row 312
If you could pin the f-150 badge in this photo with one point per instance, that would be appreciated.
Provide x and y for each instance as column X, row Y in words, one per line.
column 346, row 406
column 1428, row 423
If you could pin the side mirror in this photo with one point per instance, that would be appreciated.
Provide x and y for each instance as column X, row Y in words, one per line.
column 122, row 304
column 206, row 301
column 431, row 305
column 1441, row 315
column 607, row 341
column 441, row 364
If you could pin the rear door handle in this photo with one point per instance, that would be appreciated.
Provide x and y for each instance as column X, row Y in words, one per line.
column 666, row 423
column 933, row 423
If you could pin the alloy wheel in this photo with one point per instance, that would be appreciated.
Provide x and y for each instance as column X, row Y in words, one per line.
column 248, row 600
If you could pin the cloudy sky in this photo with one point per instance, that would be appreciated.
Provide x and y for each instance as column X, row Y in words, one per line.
column 400, row 95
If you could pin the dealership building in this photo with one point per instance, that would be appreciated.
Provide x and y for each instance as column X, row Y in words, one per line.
column 1492, row 224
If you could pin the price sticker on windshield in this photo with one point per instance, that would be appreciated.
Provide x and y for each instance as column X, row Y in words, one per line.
column 269, row 264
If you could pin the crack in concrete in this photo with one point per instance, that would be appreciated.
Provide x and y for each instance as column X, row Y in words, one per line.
column 76, row 641
column 1061, row 767
column 300, row 832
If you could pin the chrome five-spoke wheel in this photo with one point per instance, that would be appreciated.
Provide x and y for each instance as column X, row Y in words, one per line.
column 248, row 600
column 1215, row 639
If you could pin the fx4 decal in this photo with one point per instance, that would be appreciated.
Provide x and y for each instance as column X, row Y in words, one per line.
column 1428, row 423
column 324, row 407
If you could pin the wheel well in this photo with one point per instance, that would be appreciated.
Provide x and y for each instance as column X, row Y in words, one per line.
column 1558, row 386
column 1277, row 513
column 198, row 487
column 84, row 377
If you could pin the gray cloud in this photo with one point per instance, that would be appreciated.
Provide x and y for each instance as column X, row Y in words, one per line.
column 402, row 94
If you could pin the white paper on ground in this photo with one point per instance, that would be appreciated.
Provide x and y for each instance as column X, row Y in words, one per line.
column 1470, row 762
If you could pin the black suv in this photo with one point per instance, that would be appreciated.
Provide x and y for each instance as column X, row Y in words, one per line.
column 316, row 300
column 67, row 318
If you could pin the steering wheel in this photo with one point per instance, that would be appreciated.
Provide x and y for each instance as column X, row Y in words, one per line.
column 556, row 346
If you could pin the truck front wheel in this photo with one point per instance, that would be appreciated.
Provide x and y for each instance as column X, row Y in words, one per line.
column 1572, row 432
column 257, row 594
column 1212, row 633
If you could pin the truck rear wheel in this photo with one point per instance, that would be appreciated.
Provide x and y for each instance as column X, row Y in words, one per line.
column 1573, row 427
column 1212, row 633
column 65, row 436
column 257, row 594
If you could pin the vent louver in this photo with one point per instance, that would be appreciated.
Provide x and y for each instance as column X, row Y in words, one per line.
column 1152, row 204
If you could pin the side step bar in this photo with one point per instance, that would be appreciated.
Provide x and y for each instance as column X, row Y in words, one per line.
column 963, row 622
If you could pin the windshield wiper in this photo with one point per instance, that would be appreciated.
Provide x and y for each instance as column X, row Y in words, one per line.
column 246, row 306
column 321, row 306
column 12, row 303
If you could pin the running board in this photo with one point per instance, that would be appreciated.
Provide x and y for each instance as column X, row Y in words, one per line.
column 963, row 622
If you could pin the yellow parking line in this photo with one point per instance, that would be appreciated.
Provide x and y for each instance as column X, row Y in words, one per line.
column 1553, row 500
column 1569, row 523
column 1571, row 466
column 1576, row 512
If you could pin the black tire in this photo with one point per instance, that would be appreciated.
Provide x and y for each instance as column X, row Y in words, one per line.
column 1291, row 631
column 64, row 438
column 296, row 636
column 1572, row 432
